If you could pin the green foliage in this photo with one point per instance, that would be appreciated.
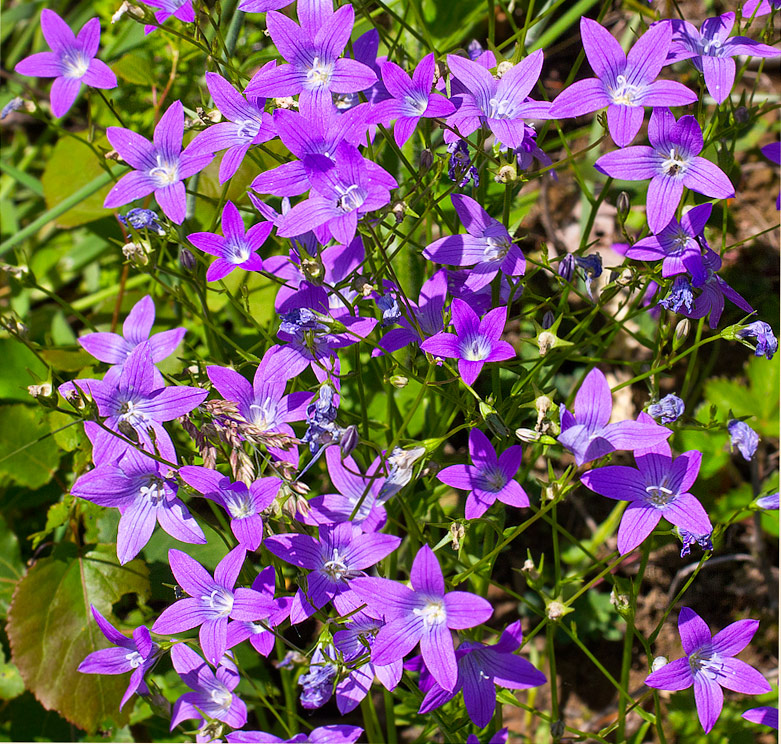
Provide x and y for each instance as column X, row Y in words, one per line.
column 30, row 453
column 11, row 566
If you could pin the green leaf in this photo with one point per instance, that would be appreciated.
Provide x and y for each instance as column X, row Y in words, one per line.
column 136, row 68
column 14, row 374
column 11, row 566
column 11, row 682
column 51, row 630
column 32, row 465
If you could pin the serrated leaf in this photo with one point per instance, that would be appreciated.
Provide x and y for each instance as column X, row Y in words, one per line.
column 11, row 566
column 32, row 465
column 51, row 630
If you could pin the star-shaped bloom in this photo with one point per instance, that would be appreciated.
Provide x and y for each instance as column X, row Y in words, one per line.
column 757, row 8
column 423, row 613
column 179, row 9
column 160, row 166
column 625, row 83
column 476, row 341
column 412, row 98
column 501, row 105
column 489, row 478
column 658, row 488
column 236, row 248
column 711, row 50
column 71, row 61
column 212, row 601
column 137, row 655
column 487, row 246
column 587, row 433
column 671, row 163
column 709, row 665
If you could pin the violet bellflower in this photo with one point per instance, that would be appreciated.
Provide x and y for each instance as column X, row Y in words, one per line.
column 159, row 166
column 765, row 715
column 709, row 665
column 317, row 683
column 671, row 163
column 501, row 105
column 421, row 614
column 182, row 10
column 711, row 51
column 743, row 437
column 476, row 341
column 236, row 248
column 247, row 124
column 315, row 68
column 487, row 246
column 625, row 83
column 212, row 601
column 137, row 655
column 334, row 734
column 667, row 410
column 489, row 478
column 767, row 343
column 480, row 669
column 141, row 219
column 588, row 435
column 658, row 488
column 681, row 296
column 70, row 62
column 145, row 495
column 412, row 99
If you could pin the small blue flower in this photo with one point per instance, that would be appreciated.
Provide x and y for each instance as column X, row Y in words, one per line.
column 668, row 409
column 681, row 295
column 142, row 219
column 743, row 437
column 767, row 343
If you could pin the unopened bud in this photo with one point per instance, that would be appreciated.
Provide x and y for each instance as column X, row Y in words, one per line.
column 557, row 730
column 398, row 209
column 398, row 381
column 547, row 319
column 503, row 68
column 530, row 570
column 527, row 435
column 313, row 269
column 742, row 115
column 658, row 663
column 623, row 205
column 457, row 533
column 187, row 259
column 426, row 159
column 682, row 328
column 506, row 174
column 348, row 440
column 556, row 610
column 567, row 267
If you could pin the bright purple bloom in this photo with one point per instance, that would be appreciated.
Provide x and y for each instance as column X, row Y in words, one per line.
column 480, row 668
column 767, row 343
column 625, row 83
column 336, row 734
column 659, row 487
column 677, row 245
column 489, row 477
column 421, row 614
column 587, row 433
column 160, row 166
column 768, row 502
column 671, row 163
column 248, row 124
column 501, row 105
column 709, row 665
column 213, row 693
column 115, row 349
column 262, row 6
column 137, row 654
column 773, row 153
column 71, row 61
column 500, row 737
column 339, row 555
column 765, row 715
column 315, row 69
column 681, row 296
column 742, row 436
column 237, row 248
column 477, row 340
column 487, row 246
column 412, row 98
column 244, row 505
column 317, row 683
column 180, row 9
column 757, row 8
column 668, row 409
column 711, row 51
column 145, row 496
column 212, row 601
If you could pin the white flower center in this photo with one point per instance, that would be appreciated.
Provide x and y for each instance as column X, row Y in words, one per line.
column 433, row 612
column 475, row 349
column 416, row 104
column 350, row 198
column 319, row 74
column 221, row 697
column 493, row 479
column 503, row 108
column 75, row 64
column 239, row 504
column 681, row 239
column 220, row 600
column 134, row 659
column 659, row 495
column 496, row 249
column 153, row 491
column 165, row 173
column 624, row 93
column 336, row 567
column 710, row 47
column 133, row 415
column 263, row 415
column 247, row 128
column 238, row 251
column 674, row 164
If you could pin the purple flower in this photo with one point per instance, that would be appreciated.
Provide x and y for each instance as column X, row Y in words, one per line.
column 671, row 163
column 262, row 6
column 668, row 409
column 213, row 693
column 180, row 9
column 71, row 62
column 341, row 553
column 400, row 464
column 712, row 51
column 765, row 715
column 480, row 668
column 500, row 737
column 212, row 601
column 626, row 84
column 336, row 734
column 315, row 69
column 757, row 8
column 591, row 267
column 489, row 478
column 247, row 125
column 587, row 433
column 681, row 296
column 767, row 343
column 499, row 104
column 677, row 245
column 690, row 539
column 237, row 248
column 160, row 166
column 412, row 98
column 421, row 614
column 659, row 487
column 768, row 502
column 138, row 655
column 459, row 169
column 709, row 665
column 142, row 219
column 317, row 683
column 139, row 487
column 244, row 505
column 742, row 436
column 486, row 246
column 477, row 340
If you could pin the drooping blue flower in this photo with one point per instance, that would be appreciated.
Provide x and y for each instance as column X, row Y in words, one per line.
column 743, row 437
column 668, row 409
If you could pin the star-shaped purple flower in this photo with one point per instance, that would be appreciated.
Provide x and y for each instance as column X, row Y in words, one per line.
column 757, row 8
column 625, row 83
column 489, row 478
column 709, row 665
column 671, row 163
column 179, row 9
column 334, row 734
column 71, row 61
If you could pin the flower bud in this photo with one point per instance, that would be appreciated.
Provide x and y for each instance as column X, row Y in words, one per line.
column 623, row 205
column 398, row 381
column 348, row 440
column 186, row 259
column 506, row 174
column 680, row 333
column 622, row 603
column 503, row 68
column 527, row 435
column 426, row 159
column 567, row 267
column 547, row 320
column 556, row 610
column 658, row 663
